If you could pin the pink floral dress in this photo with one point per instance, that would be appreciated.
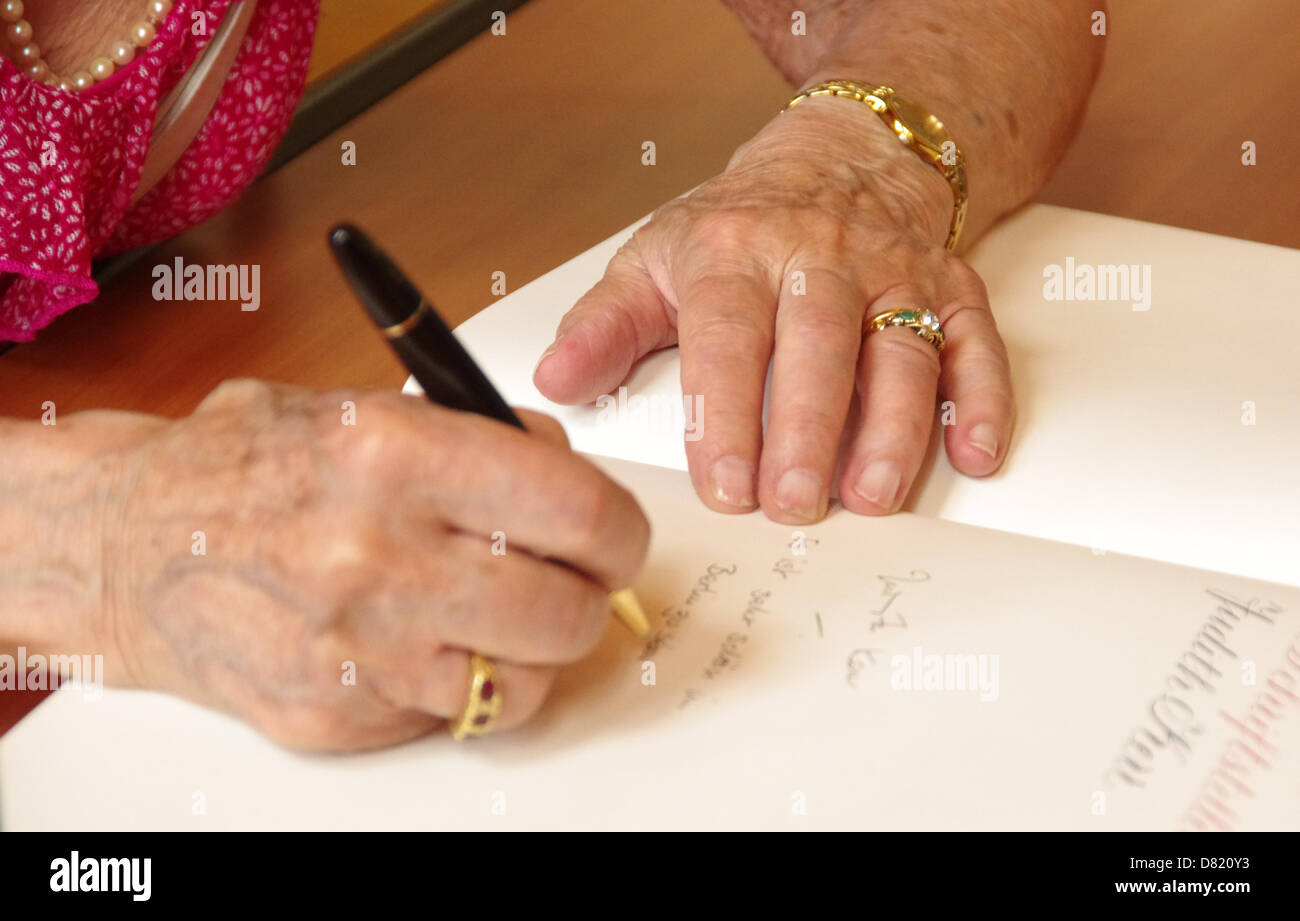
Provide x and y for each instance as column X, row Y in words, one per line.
column 70, row 162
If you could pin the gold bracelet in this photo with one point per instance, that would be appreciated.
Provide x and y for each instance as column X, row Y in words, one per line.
column 919, row 130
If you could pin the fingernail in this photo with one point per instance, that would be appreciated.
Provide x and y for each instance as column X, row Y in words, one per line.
column 878, row 483
column 733, row 481
column 799, row 492
column 985, row 437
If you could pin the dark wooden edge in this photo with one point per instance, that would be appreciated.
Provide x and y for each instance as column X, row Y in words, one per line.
column 348, row 91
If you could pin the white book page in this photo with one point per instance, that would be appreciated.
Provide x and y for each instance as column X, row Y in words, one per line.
column 1130, row 435
column 895, row 673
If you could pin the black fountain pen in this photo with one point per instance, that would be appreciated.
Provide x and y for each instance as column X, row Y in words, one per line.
column 433, row 354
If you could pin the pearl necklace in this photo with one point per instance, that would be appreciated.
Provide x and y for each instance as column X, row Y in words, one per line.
column 19, row 33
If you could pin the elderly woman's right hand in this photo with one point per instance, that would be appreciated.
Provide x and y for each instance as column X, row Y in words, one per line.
column 260, row 551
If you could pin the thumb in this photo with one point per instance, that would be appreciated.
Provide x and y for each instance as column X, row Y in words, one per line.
column 620, row 319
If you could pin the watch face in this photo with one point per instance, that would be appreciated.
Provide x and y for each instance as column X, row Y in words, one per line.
column 925, row 127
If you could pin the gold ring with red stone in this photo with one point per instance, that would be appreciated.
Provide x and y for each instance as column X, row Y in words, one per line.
column 485, row 700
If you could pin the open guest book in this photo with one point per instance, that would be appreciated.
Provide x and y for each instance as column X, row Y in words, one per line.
column 1104, row 635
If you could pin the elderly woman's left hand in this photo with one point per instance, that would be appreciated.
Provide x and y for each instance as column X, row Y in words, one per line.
column 819, row 223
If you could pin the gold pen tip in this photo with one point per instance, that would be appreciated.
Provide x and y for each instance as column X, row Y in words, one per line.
column 629, row 610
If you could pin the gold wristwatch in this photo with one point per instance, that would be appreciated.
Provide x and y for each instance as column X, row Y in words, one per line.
column 918, row 129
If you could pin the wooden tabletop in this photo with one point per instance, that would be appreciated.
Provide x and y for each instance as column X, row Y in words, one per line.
column 517, row 152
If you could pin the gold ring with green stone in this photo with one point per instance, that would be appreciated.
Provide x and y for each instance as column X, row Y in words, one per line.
column 923, row 322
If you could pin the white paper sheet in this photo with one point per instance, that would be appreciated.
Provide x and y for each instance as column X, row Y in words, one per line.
column 786, row 695
column 1130, row 435
column 1108, row 667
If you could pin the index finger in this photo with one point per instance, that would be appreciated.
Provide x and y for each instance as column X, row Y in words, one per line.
column 482, row 476
column 725, row 329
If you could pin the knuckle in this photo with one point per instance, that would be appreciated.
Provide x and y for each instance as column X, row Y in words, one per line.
column 900, row 294
column 460, row 592
column 364, row 540
column 995, row 364
column 633, row 545
column 911, row 430
column 578, row 618
column 237, row 392
column 598, row 318
column 823, row 327
column 589, row 508
column 983, row 359
column 374, row 411
column 248, row 387
column 723, row 229
column 609, row 328
column 347, row 559
column 521, row 707
column 816, row 423
column 371, row 443
column 980, row 379
column 407, row 682
column 903, row 348
column 726, row 333
column 835, row 280
column 306, row 727
column 380, row 438
column 545, row 426
column 994, row 392
column 966, row 280
column 603, row 522
column 899, row 433
column 638, row 539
